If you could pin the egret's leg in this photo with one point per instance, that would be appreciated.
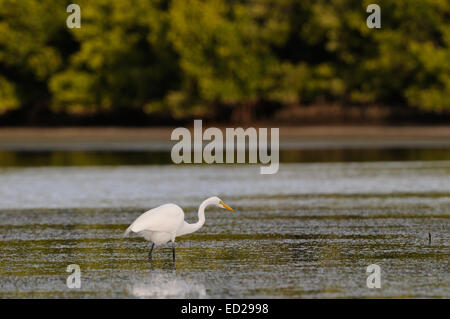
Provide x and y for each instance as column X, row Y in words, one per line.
column 173, row 251
column 150, row 253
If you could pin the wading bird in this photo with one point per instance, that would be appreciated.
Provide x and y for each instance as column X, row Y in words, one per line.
column 166, row 222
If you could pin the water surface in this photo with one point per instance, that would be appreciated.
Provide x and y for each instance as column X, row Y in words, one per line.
column 309, row 231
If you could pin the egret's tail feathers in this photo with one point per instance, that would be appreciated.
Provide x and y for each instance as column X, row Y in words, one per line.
column 125, row 234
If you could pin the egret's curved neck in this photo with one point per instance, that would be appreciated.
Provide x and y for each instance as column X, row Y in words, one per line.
column 190, row 228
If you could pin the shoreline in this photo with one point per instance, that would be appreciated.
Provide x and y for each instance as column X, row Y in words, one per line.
column 158, row 138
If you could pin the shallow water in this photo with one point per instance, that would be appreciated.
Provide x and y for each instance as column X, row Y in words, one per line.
column 309, row 231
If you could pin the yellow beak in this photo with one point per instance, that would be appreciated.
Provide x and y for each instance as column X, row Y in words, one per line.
column 226, row 206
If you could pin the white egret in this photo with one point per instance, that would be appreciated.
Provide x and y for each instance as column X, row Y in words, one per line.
column 166, row 222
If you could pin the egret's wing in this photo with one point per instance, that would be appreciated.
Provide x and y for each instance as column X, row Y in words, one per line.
column 165, row 218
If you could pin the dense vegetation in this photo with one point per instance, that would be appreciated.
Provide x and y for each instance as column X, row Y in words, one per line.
column 192, row 57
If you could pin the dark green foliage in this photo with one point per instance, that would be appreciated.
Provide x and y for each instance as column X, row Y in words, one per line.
column 186, row 57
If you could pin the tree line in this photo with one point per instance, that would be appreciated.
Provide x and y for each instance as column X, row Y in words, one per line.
column 193, row 57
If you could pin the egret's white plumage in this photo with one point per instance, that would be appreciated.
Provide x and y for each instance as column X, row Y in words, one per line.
column 158, row 225
column 166, row 222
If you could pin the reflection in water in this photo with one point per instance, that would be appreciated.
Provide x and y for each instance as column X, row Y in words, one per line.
column 166, row 284
column 98, row 158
